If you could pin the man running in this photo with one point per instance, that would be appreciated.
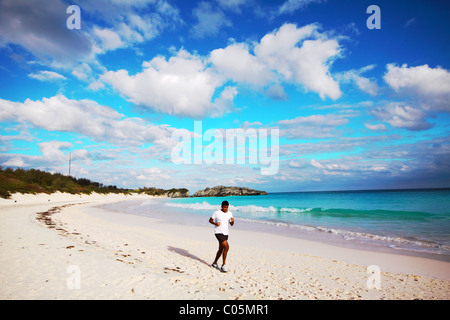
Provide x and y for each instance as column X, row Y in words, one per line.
column 220, row 219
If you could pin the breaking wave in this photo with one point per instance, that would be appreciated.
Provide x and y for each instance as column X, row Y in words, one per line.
column 271, row 215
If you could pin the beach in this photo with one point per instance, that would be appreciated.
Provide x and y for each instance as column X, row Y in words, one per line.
column 64, row 246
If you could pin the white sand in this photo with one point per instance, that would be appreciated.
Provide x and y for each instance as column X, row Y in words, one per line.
column 89, row 253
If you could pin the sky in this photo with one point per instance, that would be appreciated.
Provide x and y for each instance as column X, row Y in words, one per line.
column 348, row 97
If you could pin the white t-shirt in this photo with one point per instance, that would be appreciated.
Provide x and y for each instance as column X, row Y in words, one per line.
column 224, row 219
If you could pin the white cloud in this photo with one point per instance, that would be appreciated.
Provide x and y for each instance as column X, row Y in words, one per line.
column 364, row 84
column 180, row 86
column 316, row 164
column 47, row 76
column 125, row 23
column 248, row 124
column 82, row 71
column 209, row 21
column 233, row 5
column 316, row 120
column 108, row 39
column 375, row 127
column 40, row 28
column 84, row 117
column 402, row 115
column 52, row 150
column 430, row 85
column 426, row 89
column 331, row 168
column 15, row 161
column 135, row 29
column 301, row 56
column 54, row 154
column 312, row 127
column 276, row 92
column 151, row 176
column 294, row 164
column 290, row 6
column 96, row 85
column 306, row 64
column 236, row 63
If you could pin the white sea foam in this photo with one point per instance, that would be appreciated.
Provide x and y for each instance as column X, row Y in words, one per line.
column 195, row 206
column 389, row 241
column 249, row 208
column 258, row 212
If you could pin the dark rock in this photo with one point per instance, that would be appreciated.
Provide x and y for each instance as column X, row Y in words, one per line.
column 221, row 191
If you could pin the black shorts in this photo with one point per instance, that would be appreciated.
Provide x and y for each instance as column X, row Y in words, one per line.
column 221, row 237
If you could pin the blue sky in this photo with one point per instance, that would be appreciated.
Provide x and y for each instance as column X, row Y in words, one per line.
column 356, row 108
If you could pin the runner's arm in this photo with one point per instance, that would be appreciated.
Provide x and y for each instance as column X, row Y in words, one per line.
column 211, row 220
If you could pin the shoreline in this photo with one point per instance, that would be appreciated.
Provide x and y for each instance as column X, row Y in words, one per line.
column 285, row 230
column 123, row 256
column 293, row 243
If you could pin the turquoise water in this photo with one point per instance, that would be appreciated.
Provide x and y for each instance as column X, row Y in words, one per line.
column 417, row 220
column 403, row 219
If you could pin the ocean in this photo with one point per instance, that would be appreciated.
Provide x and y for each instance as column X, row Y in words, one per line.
column 414, row 220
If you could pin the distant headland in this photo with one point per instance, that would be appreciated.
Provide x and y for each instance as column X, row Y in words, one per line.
column 37, row 181
column 221, row 191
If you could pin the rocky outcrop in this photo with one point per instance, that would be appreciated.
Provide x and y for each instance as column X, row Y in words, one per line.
column 178, row 193
column 171, row 193
column 221, row 191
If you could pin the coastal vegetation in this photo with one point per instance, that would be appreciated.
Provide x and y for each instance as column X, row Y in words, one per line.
column 37, row 181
